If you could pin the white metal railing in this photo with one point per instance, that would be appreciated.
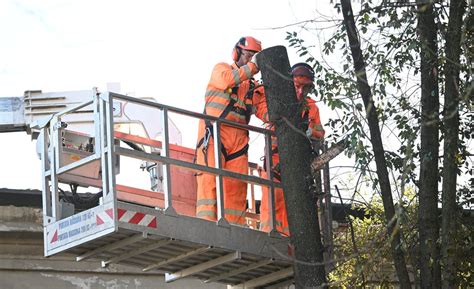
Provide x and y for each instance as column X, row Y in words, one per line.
column 105, row 150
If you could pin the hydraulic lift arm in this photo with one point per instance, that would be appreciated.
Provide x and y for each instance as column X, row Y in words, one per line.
column 12, row 117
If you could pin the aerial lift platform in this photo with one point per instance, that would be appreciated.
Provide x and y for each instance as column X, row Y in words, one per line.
column 82, row 142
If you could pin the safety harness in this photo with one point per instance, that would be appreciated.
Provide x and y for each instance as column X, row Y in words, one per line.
column 209, row 131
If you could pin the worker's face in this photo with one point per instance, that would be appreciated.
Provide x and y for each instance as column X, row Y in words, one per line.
column 303, row 86
column 245, row 57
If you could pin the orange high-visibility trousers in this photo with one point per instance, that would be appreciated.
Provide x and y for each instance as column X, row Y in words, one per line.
column 235, row 191
column 281, row 219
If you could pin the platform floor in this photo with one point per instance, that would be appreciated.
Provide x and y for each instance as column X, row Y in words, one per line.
column 182, row 246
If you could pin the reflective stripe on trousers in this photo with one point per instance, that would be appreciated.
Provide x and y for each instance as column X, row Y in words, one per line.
column 281, row 224
column 235, row 191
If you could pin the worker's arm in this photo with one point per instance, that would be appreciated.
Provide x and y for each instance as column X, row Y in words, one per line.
column 317, row 130
column 260, row 104
column 224, row 76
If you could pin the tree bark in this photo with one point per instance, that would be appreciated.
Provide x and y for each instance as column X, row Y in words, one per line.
column 451, row 133
column 428, row 216
column 295, row 159
column 377, row 145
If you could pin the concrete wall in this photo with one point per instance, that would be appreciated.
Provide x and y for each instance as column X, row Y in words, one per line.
column 22, row 264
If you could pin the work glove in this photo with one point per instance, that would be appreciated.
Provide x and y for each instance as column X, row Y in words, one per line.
column 254, row 60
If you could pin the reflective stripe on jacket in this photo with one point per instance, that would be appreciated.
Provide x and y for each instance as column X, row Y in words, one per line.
column 228, row 81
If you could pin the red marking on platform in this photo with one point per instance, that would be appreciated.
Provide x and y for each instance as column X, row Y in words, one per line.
column 137, row 218
column 153, row 223
column 121, row 212
column 55, row 237
column 110, row 212
column 98, row 220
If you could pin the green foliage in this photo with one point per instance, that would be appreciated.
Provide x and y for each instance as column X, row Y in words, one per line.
column 391, row 47
column 371, row 263
column 391, row 50
column 463, row 250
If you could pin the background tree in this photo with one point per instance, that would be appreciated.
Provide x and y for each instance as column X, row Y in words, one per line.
column 451, row 133
column 390, row 46
column 430, row 274
column 377, row 145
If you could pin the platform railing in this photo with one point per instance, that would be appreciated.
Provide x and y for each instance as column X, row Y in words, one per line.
column 218, row 171
column 51, row 159
column 105, row 150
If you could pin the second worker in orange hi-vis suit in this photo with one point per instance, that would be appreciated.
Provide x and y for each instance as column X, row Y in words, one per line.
column 228, row 96
column 303, row 78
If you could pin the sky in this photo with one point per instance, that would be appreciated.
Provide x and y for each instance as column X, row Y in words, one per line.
column 159, row 49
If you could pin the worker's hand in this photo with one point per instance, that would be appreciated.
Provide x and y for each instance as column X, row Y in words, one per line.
column 254, row 60
column 309, row 132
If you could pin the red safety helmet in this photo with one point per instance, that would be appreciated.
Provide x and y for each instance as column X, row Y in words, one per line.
column 247, row 43
column 302, row 69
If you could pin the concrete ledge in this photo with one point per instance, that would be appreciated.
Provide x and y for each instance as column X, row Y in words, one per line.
column 21, row 219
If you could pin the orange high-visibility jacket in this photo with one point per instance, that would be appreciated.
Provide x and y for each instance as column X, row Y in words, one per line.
column 224, row 78
column 228, row 84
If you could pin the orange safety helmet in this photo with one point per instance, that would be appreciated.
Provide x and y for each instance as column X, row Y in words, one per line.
column 247, row 43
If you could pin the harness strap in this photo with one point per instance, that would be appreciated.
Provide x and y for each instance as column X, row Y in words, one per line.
column 209, row 124
column 209, row 131
column 306, row 120
column 199, row 144
column 275, row 150
column 235, row 155
column 277, row 176
column 224, row 114
column 247, row 112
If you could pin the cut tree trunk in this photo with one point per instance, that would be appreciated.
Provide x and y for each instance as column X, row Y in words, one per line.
column 295, row 160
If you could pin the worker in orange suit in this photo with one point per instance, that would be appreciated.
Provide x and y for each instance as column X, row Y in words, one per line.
column 303, row 79
column 228, row 96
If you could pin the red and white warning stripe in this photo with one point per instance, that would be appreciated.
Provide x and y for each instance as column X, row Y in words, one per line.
column 127, row 216
column 104, row 216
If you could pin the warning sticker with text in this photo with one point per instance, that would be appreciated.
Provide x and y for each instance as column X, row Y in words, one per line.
column 70, row 231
